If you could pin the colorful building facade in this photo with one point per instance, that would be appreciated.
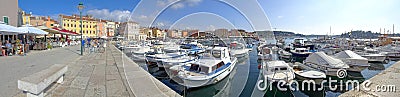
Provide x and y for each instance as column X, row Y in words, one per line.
column 71, row 23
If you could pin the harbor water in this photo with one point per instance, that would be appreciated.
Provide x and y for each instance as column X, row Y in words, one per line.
column 242, row 81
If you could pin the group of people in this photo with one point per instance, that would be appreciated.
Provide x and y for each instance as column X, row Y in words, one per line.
column 7, row 49
column 94, row 44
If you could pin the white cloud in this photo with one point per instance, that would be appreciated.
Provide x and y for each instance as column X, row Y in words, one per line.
column 163, row 3
column 193, row 2
column 115, row 15
column 279, row 17
column 177, row 6
column 160, row 24
column 211, row 28
column 142, row 17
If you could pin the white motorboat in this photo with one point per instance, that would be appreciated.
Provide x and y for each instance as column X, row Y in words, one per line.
column 212, row 67
column 167, row 63
column 359, row 48
column 300, row 52
column 265, row 53
column 356, row 62
column 139, row 54
column 284, row 54
column 322, row 62
column 275, row 71
column 131, row 47
column 304, row 74
column 391, row 52
column 238, row 49
column 155, row 59
column 373, row 55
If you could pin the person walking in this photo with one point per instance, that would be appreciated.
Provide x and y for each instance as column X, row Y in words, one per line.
column 88, row 41
column 83, row 44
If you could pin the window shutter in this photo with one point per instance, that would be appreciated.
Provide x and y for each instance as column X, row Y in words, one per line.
column 5, row 20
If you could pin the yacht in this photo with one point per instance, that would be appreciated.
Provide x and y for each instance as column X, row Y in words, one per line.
column 324, row 63
column 373, row 55
column 193, row 48
column 265, row 53
column 284, row 54
column 213, row 66
column 300, row 54
column 275, row 71
column 391, row 52
column 356, row 62
column 155, row 59
column 238, row 49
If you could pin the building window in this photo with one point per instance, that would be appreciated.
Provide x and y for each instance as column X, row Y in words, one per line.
column 6, row 20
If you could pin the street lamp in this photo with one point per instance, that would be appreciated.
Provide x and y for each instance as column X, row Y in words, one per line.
column 80, row 8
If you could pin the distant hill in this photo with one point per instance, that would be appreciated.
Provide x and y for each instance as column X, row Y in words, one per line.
column 360, row 34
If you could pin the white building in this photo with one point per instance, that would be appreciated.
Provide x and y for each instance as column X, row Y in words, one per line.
column 130, row 30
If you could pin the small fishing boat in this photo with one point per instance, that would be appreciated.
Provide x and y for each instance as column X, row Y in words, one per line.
column 275, row 71
column 304, row 74
column 213, row 66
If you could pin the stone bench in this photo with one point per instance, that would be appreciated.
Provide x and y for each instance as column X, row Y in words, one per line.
column 34, row 85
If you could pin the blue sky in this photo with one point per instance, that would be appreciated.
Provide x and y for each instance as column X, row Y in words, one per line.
column 300, row 16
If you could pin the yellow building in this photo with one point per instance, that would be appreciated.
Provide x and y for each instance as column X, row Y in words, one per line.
column 26, row 18
column 72, row 23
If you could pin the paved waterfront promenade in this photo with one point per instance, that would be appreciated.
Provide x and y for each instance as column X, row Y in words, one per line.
column 13, row 68
column 93, row 75
column 390, row 76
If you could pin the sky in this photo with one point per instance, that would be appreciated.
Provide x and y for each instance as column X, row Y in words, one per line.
column 300, row 16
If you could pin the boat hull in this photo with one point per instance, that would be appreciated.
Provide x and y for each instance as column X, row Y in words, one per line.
column 328, row 71
column 192, row 83
column 317, row 81
column 138, row 57
column 375, row 58
column 357, row 68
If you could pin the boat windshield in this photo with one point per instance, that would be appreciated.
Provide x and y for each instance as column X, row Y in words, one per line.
column 216, row 53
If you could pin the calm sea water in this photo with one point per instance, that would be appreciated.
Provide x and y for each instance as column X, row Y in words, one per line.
column 242, row 81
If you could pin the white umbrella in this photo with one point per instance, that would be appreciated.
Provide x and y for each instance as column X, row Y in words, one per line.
column 10, row 29
column 32, row 30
